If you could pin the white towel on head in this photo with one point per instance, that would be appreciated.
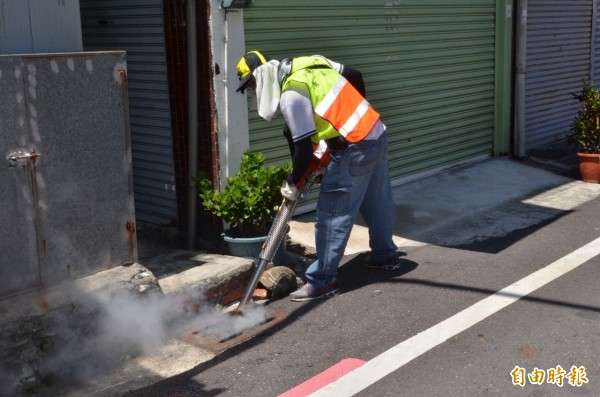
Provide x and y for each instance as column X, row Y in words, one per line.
column 267, row 89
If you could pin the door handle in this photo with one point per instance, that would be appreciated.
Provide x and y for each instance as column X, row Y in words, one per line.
column 18, row 158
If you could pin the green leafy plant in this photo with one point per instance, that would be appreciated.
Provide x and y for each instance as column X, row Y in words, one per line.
column 249, row 199
column 585, row 130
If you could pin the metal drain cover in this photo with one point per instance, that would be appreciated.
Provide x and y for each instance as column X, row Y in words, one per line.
column 218, row 344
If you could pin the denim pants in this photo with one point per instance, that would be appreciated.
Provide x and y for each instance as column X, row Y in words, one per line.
column 356, row 180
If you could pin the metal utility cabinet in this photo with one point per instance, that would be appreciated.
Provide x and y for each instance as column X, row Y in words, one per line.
column 66, row 183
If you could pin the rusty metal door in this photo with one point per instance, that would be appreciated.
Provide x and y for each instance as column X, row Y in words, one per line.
column 66, row 187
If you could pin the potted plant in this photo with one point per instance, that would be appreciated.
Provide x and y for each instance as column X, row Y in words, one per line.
column 247, row 203
column 585, row 133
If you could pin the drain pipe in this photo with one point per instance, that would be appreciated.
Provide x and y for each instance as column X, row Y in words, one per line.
column 192, row 50
column 521, row 60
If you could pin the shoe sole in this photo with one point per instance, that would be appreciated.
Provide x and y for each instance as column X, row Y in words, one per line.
column 309, row 298
column 387, row 268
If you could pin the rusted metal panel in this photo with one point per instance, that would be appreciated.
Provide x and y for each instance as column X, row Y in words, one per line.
column 19, row 258
column 72, row 110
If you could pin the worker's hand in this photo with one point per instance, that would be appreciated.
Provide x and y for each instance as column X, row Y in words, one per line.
column 289, row 192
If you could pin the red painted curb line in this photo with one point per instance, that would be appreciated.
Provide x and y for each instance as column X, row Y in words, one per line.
column 317, row 382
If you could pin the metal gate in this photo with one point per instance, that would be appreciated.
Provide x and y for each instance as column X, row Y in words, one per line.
column 429, row 68
column 559, row 36
column 65, row 185
column 137, row 26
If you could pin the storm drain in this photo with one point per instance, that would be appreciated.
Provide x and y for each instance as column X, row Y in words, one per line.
column 229, row 330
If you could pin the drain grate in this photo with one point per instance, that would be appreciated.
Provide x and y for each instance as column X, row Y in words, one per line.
column 218, row 344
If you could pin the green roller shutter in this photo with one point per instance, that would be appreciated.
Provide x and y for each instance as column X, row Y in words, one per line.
column 429, row 68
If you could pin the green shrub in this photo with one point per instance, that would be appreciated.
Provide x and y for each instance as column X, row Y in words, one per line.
column 585, row 130
column 249, row 199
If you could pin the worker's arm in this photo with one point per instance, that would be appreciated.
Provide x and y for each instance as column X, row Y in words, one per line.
column 355, row 78
column 303, row 152
column 298, row 113
column 288, row 135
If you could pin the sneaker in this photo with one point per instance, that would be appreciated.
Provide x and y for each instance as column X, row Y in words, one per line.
column 392, row 262
column 309, row 292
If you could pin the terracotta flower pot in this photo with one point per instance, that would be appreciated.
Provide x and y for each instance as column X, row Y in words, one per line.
column 589, row 167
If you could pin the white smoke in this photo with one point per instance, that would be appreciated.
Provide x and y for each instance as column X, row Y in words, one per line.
column 225, row 325
column 97, row 335
column 125, row 326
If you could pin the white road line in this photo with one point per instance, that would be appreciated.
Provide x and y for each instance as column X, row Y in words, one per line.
column 389, row 361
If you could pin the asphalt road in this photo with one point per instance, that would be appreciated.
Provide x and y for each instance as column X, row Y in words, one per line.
column 556, row 324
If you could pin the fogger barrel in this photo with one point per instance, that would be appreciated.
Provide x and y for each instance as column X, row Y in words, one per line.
column 280, row 223
column 269, row 248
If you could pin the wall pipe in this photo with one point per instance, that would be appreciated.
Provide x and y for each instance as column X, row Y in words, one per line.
column 521, row 54
column 192, row 51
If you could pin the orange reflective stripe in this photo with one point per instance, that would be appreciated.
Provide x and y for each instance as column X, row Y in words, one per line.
column 348, row 111
column 343, row 105
column 364, row 126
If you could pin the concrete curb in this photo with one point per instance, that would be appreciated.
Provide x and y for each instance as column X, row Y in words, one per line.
column 450, row 209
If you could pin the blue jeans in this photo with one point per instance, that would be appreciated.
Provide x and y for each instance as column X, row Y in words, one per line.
column 356, row 180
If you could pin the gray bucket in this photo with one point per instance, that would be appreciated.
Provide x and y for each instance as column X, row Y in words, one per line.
column 250, row 247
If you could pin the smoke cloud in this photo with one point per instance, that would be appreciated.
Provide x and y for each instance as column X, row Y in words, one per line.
column 126, row 325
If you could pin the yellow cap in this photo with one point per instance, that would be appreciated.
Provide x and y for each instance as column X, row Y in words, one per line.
column 247, row 64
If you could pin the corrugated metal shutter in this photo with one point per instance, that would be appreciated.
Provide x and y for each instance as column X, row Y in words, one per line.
column 136, row 26
column 428, row 67
column 29, row 26
column 558, row 60
column 597, row 44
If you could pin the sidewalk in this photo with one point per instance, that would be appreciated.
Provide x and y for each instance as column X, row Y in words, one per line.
column 488, row 199
column 459, row 207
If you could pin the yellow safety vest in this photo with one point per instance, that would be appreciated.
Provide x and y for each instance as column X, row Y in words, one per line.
column 338, row 106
